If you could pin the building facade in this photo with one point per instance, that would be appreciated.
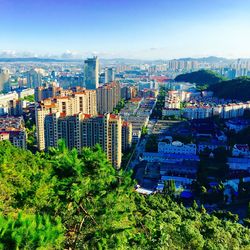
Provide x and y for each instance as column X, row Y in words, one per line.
column 91, row 73
column 126, row 135
column 176, row 147
column 84, row 102
column 109, row 75
column 83, row 130
column 12, row 129
column 108, row 96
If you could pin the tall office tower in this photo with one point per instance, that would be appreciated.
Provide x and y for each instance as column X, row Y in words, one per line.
column 85, row 131
column 34, row 78
column 108, row 96
column 53, row 74
column 126, row 135
column 109, row 75
column 91, row 73
column 4, row 79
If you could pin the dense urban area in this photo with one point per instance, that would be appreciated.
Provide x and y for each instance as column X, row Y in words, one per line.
column 117, row 154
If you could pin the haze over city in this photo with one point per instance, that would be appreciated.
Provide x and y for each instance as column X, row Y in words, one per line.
column 130, row 29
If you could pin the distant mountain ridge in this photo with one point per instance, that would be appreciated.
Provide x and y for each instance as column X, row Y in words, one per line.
column 210, row 59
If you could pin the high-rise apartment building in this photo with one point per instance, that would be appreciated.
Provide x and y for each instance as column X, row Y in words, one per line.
column 41, row 111
column 128, row 92
column 114, row 144
column 84, row 102
column 108, row 96
column 15, row 107
column 109, row 75
column 83, row 130
column 106, row 131
column 46, row 92
column 126, row 135
column 91, row 73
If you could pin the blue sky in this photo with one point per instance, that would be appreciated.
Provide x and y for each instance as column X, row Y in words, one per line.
column 148, row 29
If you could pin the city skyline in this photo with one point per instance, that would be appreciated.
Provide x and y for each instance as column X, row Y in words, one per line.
column 127, row 29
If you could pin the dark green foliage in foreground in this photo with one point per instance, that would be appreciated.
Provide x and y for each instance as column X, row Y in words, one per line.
column 201, row 78
column 238, row 89
column 61, row 199
column 30, row 231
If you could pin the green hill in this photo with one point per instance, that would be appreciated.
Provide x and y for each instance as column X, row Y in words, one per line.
column 238, row 88
column 63, row 200
column 201, row 77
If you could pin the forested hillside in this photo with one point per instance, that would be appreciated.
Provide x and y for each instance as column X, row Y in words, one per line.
column 61, row 199
column 201, row 77
column 238, row 88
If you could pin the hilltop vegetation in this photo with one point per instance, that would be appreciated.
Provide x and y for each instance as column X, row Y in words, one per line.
column 201, row 78
column 62, row 200
column 238, row 88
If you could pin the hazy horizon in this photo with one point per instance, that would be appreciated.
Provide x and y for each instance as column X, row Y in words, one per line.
column 61, row 57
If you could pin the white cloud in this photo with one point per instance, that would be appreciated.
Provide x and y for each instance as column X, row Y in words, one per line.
column 15, row 54
column 8, row 53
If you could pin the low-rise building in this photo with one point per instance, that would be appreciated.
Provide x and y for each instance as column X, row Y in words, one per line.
column 176, row 147
column 236, row 163
column 171, row 112
column 241, row 150
column 168, row 158
column 197, row 112
column 12, row 129
column 237, row 124
column 210, row 145
column 25, row 92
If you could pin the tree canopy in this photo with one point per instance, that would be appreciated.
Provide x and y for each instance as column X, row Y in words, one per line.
column 62, row 199
column 238, row 89
column 200, row 77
